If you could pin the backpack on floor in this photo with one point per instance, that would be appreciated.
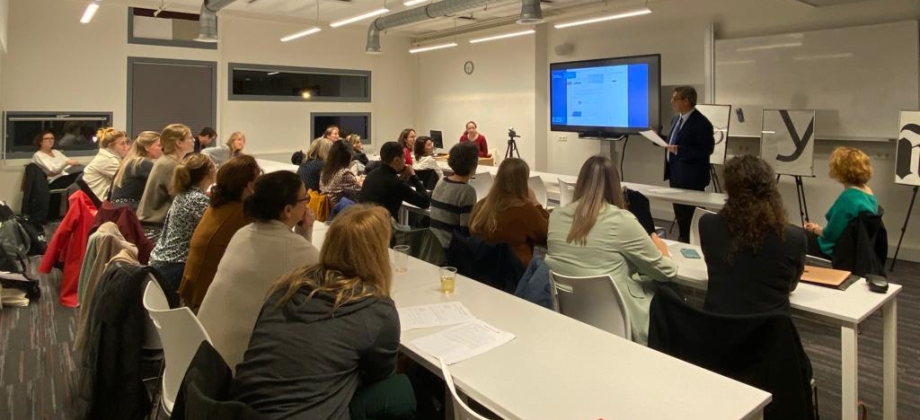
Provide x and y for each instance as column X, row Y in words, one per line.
column 15, row 241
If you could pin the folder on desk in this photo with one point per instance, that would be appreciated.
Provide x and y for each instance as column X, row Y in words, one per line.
column 827, row 277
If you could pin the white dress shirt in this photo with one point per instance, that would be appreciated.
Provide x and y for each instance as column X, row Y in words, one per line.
column 55, row 166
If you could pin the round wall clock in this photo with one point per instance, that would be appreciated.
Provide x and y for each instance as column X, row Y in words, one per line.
column 468, row 67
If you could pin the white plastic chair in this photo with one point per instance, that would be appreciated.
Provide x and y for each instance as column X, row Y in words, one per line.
column 461, row 410
column 566, row 192
column 482, row 183
column 181, row 334
column 539, row 190
column 594, row 300
column 695, row 224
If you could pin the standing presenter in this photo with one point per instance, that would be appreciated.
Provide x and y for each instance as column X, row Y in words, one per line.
column 687, row 159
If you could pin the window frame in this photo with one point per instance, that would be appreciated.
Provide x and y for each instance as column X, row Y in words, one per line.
column 231, row 67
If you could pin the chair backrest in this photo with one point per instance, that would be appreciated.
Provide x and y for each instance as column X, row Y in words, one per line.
column 461, row 410
column 88, row 191
column 862, row 247
column 695, row 224
column 180, row 332
column 482, row 183
column 429, row 177
column 566, row 192
column 539, row 189
column 594, row 300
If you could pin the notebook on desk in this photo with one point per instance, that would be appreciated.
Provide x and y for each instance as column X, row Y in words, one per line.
column 827, row 277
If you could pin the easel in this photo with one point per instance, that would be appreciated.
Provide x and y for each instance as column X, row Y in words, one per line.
column 910, row 208
column 714, row 175
column 800, row 193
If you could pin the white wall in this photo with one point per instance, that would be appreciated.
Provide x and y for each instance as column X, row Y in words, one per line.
column 4, row 22
column 498, row 95
column 68, row 66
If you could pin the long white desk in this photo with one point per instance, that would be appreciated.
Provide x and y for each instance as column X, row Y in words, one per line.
column 558, row 368
column 846, row 308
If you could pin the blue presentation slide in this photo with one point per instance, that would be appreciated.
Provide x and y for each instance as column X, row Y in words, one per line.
column 608, row 96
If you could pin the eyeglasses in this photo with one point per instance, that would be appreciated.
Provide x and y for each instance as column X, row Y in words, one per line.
column 307, row 198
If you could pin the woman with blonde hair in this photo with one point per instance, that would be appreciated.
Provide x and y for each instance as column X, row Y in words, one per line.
column 510, row 212
column 355, row 141
column 850, row 167
column 331, row 133
column 333, row 326
column 229, row 150
column 595, row 235
column 135, row 168
column 176, row 141
column 99, row 174
column 310, row 170
column 192, row 177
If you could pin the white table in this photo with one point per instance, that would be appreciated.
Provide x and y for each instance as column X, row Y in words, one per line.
column 558, row 368
column 846, row 308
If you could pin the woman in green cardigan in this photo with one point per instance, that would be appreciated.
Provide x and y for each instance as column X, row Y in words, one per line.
column 850, row 167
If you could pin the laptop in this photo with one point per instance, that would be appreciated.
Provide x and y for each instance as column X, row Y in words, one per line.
column 438, row 139
column 824, row 276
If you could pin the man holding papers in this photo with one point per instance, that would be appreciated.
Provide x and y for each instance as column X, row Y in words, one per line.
column 689, row 145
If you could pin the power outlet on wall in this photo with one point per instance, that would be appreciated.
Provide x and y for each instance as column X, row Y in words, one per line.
column 562, row 138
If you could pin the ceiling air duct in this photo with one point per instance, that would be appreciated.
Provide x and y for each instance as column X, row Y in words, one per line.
column 208, row 19
column 530, row 14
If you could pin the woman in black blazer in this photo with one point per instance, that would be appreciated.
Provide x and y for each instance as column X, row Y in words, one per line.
column 754, row 256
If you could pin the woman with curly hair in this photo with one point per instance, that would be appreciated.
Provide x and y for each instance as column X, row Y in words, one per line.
column 754, row 257
column 850, row 167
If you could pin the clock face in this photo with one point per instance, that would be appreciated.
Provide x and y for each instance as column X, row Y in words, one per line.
column 468, row 67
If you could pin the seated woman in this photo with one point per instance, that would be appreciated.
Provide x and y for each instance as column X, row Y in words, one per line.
column 221, row 220
column 56, row 165
column 472, row 135
column 754, row 258
column 100, row 173
column 135, row 169
column 193, row 176
column 594, row 235
column 331, row 133
column 328, row 330
column 231, row 149
column 177, row 141
column 336, row 180
column 407, row 141
column 510, row 212
column 424, row 156
column 850, row 167
column 261, row 252
column 310, row 170
column 355, row 141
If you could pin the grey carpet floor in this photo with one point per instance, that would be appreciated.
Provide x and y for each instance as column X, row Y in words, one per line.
column 36, row 364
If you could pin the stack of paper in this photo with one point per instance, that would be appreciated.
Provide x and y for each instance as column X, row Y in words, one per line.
column 13, row 297
column 437, row 315
column 463, row 341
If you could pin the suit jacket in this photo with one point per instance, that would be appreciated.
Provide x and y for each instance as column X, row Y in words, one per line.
column 689, row 168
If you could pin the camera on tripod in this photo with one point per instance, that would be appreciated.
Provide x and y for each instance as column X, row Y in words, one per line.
column 512, row 149
column 512, row 134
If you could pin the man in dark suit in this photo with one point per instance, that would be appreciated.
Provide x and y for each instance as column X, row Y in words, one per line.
column 687, row 159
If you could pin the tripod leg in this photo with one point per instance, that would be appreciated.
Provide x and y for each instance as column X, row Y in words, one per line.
column 799, row 195
column 910, row 208
column 801, row 186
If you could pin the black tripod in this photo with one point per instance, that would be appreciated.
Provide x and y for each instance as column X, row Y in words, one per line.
column 512, row 149
column 910, row 208
column 714, row 175
column 800, row 192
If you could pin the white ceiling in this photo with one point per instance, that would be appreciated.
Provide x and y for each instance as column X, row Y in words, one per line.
column 331, row 10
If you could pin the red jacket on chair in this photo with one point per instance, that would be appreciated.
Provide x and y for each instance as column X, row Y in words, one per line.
column 69, row 245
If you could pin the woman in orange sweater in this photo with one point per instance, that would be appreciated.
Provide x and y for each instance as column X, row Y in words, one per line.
column 510, row 212
column 221, row 220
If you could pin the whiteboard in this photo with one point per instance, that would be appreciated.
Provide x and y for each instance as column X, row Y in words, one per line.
column 857, row 79
column 720, row 117
column 907, row 155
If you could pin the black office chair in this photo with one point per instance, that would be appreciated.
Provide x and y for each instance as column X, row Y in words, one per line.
column 429, row 177
column 763, row 351
column 205, row 390
column 863, row 246
column 88, row 191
